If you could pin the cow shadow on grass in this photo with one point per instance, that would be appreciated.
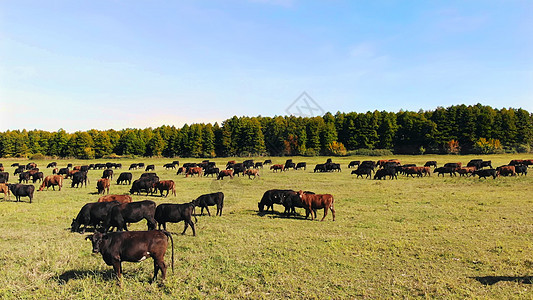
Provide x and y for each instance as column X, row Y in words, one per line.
column 279, row 215
column 490, row 280
column 82, row 274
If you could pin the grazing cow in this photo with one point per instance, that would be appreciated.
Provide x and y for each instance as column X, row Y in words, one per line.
column 486, row 163
column 275, row 168
column 181, row 170
column 317, row 201
column 79, row 178
column 22, row 190
column 52, row 181
column 118, row 198
column 134, row 246
column 77, row 168
column 51, row 165
column 18, row 170
column 333, row 167
column 24, row 176
column 108, row 173
column 474, row 163
column 267, row 162
column 142, row 185
column 289, row 165
column 363, row 171
column 63, row 171
column 124, row 177
column 466, row 171
column 71, row 173
column 152, row 176
column 231, row 162
column 521, row 169
column 210, row 200
column 99, row 166
column 133, row 167
column 85, row 169
column 211, row 171
column 251, row 172
column 174, row 213
column 131, row 212
column 516, row 162
column 455, row 166
column 15, row 164
column 444, row 170
column 92, row 214
column 383, row 173
column 4, row 188
column 165, row 185
column 176, row 163
column 290, row 200
column 150, row 168
column 169, row 166
column 31, row 165
column 140, row 165
column 194, row 170
column 4, row 177
column 431, row 163
column 102, row 185
column 258, row 165
column 486, row 173
column 118, row 166
column 249, row 163
column 506, row 171
column 320, row 168
column 270, row 198
column 189, row 165
column 419, row 171
column 354, row 163
column 225, row 173
column 238, row 169
column 301, row 165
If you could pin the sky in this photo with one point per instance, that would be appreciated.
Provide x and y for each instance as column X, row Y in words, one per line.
column 81, row 65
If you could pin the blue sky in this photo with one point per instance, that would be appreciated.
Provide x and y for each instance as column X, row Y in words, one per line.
column 79, row 65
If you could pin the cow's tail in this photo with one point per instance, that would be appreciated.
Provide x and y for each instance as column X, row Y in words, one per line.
column 172, row 244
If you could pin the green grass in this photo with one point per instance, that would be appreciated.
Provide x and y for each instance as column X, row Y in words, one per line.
column 407, row 238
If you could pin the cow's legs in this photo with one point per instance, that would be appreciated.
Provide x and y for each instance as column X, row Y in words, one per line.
column 207, row 208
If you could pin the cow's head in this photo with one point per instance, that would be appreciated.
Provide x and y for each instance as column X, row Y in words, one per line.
column 96, row 239
column 74, row 226
column 300, row 194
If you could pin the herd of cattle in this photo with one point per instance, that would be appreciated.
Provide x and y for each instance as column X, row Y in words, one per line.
column 115, row 212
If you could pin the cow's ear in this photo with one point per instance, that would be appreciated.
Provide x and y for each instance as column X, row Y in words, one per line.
column 89, row 237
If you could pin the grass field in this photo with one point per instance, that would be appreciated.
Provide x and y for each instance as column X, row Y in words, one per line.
column 408, row 238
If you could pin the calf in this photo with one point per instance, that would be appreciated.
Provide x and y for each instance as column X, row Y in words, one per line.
column 225, row 173
column 165, row 185
column 52, row 181
column 317, row 201
column 4, row 188
column 210, row 200
column 102, row 185
column 131, row 212
column 124, row 177
column 174, row 213
column 251, row 172
column 92, row 214
column 22, row 190
column 134, row 246
column 118, row 198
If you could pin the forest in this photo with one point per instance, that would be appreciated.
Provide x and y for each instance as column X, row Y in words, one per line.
column 458, row 129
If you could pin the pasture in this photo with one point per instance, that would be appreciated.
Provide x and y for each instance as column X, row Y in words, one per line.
column 439, row 237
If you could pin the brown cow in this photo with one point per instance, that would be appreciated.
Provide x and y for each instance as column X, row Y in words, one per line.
column 165, row 185
column 311, row 202
column 55, row 170
column 466, row 171
column 225, row 173
column 5, row 189
column 506, row 170
column 194, row 170
column 119, row 198
column 251, row 172
column 181, row 170
column 275, row 168
column 33, row 171
column 52, row 181
column 102, row 185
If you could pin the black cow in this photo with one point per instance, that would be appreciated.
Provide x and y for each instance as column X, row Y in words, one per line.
column 63, row 171
column 368, row 164
column 363, row 171
column 270, row 198
column 15, row 164
column 51, row 165
column 383, row 173
column 19, row 170
column 133, row 167
column 210, row 200
column 142, row 185
column 258, row 165
column 211, row 171
column 24, row 176
column 92, row 214
column 124, row 177
column 431, row 163
column 485, row 173
column 176, row 163
column 169, row 166
column 85, row 168
column 150, row 168
column 444, row 170
column 238, row 169
column 140, row 165
column 174, row 213
column 134, row 246
column 4, row 177
column 301, row 165
column 99, row 166
column 267, row 162
column 37, row 177
column 332, row 167
column 108, row 173
column 521, row 169
column 320, row 168
column 249, row 163
column 22, row 190
column 354, row 163
column 131, row 212
column 79, row 178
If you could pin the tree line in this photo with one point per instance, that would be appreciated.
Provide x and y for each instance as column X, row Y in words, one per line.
column 455, row 129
